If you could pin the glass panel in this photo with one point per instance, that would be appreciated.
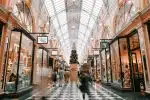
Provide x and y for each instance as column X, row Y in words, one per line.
column 82, row 28
column 39, row 65
column 59, row 5
column 125, row 63
column 87, row 5
column 49, row 7
column 25, row 65
column 115, row 63
column 45, row 62
column 108, row 65
column 91, row 23
column 84, row 18
column 11, row 71
column 55, row 23
column 1, row 28
column 134, row 42
column 62, row 18
column 104, row 72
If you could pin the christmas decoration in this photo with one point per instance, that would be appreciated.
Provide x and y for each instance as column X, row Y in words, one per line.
column 74, row 57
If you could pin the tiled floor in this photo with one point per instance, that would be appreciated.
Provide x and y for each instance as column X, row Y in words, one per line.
column 72, row 92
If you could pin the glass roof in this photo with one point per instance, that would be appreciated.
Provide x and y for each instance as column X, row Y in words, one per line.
column 89, row 12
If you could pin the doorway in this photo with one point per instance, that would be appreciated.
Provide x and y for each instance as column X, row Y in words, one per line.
column 136, row 63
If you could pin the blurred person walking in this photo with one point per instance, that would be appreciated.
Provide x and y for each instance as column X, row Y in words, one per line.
column 61, row 76
column 54, row 77
column 66, row 76
column 84, row 81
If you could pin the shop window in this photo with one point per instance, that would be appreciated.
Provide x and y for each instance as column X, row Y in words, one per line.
column 108, row 64
column 25, row 64
column 115, row 63
column 125, row 63
column 104, row 71
column 19, row 56
column 23, row 14
column 42, row 66
column 148, row 28
column 13, row 55
column 1, row 29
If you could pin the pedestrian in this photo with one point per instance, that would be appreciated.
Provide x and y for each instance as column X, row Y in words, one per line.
column 54, row 77
column 84, row 81
column 66, row 76
column 61, row 76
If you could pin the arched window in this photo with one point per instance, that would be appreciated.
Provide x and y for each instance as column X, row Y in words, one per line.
column 125, row 13
column 23, row 14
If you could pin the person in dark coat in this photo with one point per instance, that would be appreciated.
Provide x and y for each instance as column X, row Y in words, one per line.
column 84, row 80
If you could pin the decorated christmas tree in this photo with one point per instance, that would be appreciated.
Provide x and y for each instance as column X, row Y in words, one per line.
column 74, row 56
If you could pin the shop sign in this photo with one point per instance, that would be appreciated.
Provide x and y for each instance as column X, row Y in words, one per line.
column 103, row 44
column 42, row 39
column 96, row 52
column 54, row 53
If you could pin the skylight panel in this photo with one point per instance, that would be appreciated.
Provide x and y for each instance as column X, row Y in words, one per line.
column 59, row 33
column 55, row 23
column 82, row 28
column 87, row 5
column 81, row 35
column 91, row 23
column 87, row 33
column 49, row 7
column 97, row 7
column 62, row 18
column 59, row 5
column 66, row 36
column 84, row 18
column 64, row 29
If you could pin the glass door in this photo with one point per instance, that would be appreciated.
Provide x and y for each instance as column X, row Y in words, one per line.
column 136, row 63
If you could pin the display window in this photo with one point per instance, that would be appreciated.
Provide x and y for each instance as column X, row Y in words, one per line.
column 17, row 73
column 12, row 62
column 42, row 66
column 25, row 63
column 126, row 74
column 126, row 62
column 39, row 65
column 147, row 70
column 108, row 65
column 1, row 29
column 103, row 63
column 136, row 62
column 115, row 63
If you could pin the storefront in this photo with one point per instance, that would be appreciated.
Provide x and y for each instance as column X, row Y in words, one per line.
column 1, row 29
column 18, row 62
column 42, row 68
column 106, row 70
column 146, row 56
column 126, row 62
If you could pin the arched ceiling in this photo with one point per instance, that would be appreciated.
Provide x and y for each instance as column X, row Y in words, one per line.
column 73, row 21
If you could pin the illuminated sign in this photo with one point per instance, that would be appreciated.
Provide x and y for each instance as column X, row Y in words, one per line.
column 42, row 39
column 54, row 53
column 96, row 52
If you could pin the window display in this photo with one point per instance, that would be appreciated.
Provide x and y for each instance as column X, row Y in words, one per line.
column 39, row 65
column 115, row 62
column 12, row 62
column 125, row 63
column 108, row 65
column 42, row 65
column 25, row 64
column 104, row 70
column 19, row 62
column 1, row 28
